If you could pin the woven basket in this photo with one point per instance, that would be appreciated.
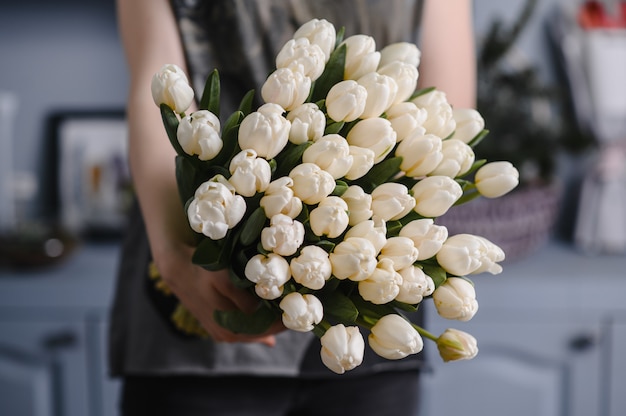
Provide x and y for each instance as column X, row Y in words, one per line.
column 518, row 222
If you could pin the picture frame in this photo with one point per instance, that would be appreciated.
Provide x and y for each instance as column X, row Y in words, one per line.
column 94, row 185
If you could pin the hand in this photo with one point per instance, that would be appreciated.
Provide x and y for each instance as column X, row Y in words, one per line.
column 203, row 292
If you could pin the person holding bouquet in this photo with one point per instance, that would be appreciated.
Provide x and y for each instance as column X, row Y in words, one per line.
column 166, row 372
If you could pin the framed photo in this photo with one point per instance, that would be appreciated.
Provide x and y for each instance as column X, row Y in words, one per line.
column 94, row 184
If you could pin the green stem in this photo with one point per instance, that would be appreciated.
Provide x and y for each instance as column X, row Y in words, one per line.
column 425, row 333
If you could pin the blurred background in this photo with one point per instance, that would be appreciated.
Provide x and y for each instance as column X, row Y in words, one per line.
column 550, row 329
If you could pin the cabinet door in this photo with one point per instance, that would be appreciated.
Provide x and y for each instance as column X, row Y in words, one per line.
column 522, row 368
column 42, row 364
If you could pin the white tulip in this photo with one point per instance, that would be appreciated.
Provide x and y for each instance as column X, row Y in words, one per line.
column 346, row 100
column 284, row 235
column 307, row 123
column 415, row 285
column 249, row 173
column 435, row 195
column 265, row 131
column 401, row 251
column 464, row 254
column 421, row 154
column 287, row 87
column 319, row 32
column 374, row 230
column 215, row 208
column 456, row 345
column 311, row 268
column 456, row 299
column 383, row 285
column 330, row 217
column 406, row 118
column 496, row 179
column 354, row 258
column 381, row 93
column 405, row 75
column 427, row 236
column 440, row 121
column 342, row 348
column 362, row 162
column 170, row 86
column 302, row 55
column 310, row 183
column 469, row 123
column 391, row 201
column 375, row 134
column 393, row 338
column 400, row 51
column 331, row 153
column 199, row 134
column 361, row 56
column 301, row 312
column 457, row 160
column 359, row 204
column 269, row 273
column 280, row 199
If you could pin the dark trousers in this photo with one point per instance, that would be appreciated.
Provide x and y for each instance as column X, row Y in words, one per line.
column 391, row 393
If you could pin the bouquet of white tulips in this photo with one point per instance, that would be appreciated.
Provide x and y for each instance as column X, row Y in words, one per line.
column 323, row 202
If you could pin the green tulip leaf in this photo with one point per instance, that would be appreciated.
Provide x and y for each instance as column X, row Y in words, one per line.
column 208, row 255
column 333, row 73
column 435, row 272
column 170, row 122
column 211, row 95
column 245, row 106
column 380, row 173
column 290, row 157
column 339, row 306
column 251, row 229
column 242, row 323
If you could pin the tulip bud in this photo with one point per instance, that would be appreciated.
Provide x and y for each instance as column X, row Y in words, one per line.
column 393, row 338
column 270, row 273
column 215, row 208
column 440, row 121
column 331, row 153
column 405, row 75
column 361, row 56
column 374, row 230
column 383, row 285
column 456, row 345
column 354, row 258
column 284, row 235
column 330, row 217
column 280, row 199
column 458, row 158
column 249, row 174
column 400, row 51
column 310, row 183
column 401, row 251
column 415, row 285
column 170, row 86
column 391, row 201
column 359, row 204
column 307, row 123
column 435, row 195
column 311, row 268
column 406, row 118
column 381, row 93
column 342, row 348
column 362, row 162
column 301, row 312
column 265, row 131
column 301, row 55
column 464, row 254
column 456, row 299
column 496, row 179
column 426, row 236
column 420, row 154
column 346, row 100
column 375, row 134
column 469, row 123
column 319, row 32
column 287, row 87
column 199, row 134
